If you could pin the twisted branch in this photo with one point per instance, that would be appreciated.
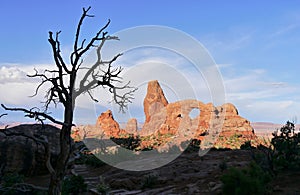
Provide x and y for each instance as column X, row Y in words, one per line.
column 39, row 116
column 40, row 139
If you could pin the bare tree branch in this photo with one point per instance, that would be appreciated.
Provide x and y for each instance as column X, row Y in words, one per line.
column 36, row 115
column 62, row 89
column 54, row 91
column 56, row 52
column 78, row 52
column 37, row 139
column 98, row 76
column 3, row 115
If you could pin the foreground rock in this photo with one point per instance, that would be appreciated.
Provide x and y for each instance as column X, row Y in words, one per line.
column 21, row 154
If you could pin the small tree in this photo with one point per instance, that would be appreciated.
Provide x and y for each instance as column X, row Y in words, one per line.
column 63, row 89
column 249, row 180
column 286, row 146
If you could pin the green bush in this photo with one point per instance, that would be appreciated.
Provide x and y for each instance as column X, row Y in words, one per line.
column 246, row 146
column 223, row 165
column 10, row 179
column 103, row 187
column 250, row 180
column 131, row 142
column 74, row 185
column 93, row 161
column 286, row 146
column 194, row 145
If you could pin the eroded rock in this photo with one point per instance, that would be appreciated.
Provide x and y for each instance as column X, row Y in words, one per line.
column 20, row 154
column 155, row 99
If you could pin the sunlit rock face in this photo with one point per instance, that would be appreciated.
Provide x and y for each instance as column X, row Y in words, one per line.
column 108, row 125
column 219, row 126
column 154, row 100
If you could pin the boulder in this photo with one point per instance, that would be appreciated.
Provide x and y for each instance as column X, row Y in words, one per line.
column 21, row 154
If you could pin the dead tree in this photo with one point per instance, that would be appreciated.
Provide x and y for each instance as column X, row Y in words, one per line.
column 63, row 89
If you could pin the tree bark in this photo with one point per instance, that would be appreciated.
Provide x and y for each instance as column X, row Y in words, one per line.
column 56, row 180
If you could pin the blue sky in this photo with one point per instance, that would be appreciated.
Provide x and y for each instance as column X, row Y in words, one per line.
column 255, row 44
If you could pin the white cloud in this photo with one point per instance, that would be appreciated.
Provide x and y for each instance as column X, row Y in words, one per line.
column 260, row 98
column 277, row 111
column 16, row 87
column 256, row 96
column 12, row 74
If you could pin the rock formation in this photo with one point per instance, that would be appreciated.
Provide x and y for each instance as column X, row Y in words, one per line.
column 218, row 125
column 215, row 126
column 22, row 154
column 154, row 100
column 131, row 126
column 235, row 129
column 108, row 125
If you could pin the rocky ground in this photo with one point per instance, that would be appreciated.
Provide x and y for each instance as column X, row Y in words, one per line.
column 188, row 174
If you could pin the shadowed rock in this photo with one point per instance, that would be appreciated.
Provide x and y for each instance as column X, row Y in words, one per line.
column 23, row 155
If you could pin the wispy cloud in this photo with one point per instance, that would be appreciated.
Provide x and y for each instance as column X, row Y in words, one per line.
column 284, row 30
column 229, row 40
column 260, row 98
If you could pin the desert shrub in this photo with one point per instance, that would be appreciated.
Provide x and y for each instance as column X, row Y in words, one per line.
column 10, row 179
column 194, row 145
column 94, row 161
column 223, row 165
column 89, row 159
column 250, row 180
column 74, row 185
column 246, row 146
column 286, row 146
column 131, row 142
column 103, row 187
column 263, row 157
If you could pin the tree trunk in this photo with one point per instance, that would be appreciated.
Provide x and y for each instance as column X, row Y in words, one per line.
column 57, row 177
column 55, row 185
